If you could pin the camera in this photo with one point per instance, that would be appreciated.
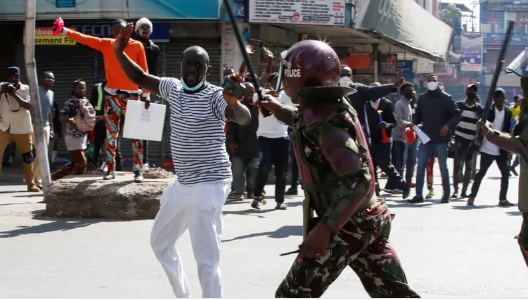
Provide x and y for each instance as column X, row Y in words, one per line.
column 10, row 87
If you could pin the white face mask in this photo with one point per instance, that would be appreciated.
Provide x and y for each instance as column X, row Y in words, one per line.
column 432, row 85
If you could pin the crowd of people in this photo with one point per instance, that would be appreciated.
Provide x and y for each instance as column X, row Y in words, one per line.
column 451, row 126
column 338, row 147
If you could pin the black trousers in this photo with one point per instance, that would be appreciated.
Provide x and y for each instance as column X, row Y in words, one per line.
column 398, row 156
column 274, row 152
column 463, row 156
column 381, row 157
column 294, row 168
column 485, row 162
column 99, row 142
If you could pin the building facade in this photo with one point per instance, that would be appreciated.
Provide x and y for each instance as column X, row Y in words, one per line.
column 494, row 17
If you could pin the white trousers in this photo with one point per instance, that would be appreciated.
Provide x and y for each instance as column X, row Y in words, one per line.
column 197, row 208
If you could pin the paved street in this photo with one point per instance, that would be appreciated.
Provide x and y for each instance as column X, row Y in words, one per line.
column 447, row 250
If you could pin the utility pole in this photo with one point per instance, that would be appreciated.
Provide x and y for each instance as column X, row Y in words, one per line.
column 36, row 111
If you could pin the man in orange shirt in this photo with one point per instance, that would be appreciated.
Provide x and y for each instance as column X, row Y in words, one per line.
column 119, row 89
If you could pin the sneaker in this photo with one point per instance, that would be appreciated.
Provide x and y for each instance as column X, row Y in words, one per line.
column 505, row 203
column 110, row 175
column 455, row 195
column 33, row 189
column 411, row 184
column 445, row 198
column 235, row 196
column 416, row 199
column 464, row 195
column 291, row 191
column 512, row 169
column 138, row 178
column 280, row 206
column 255, row 204
column 430, row 195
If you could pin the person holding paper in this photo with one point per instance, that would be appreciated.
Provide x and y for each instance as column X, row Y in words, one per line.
column 119, row 90
column 439, row 115
column 403, row 113
column 203, row 175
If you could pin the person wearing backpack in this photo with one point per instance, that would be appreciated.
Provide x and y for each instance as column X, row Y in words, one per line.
column 79, row 116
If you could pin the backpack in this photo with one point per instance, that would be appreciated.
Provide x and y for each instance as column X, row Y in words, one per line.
column 85, row 117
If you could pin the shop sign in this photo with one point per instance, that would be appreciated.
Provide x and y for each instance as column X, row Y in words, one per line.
column 112, row 9
column 387, row 64
column 313, row 12
column 44, row 36
column 358, row 59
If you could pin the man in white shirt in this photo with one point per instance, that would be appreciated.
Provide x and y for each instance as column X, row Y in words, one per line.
column 194, row 200
column 15, row 122
column 274, row 145
column 501, row 118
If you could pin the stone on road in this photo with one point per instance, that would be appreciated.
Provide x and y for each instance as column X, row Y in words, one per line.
column 447, row 250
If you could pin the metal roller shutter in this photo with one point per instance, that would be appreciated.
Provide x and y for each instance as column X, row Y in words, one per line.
column 173, row 55
column 68, row 63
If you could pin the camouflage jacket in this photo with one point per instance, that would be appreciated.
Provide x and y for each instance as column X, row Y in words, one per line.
column 333, row 159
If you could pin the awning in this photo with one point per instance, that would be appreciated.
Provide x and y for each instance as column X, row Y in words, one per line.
column 405, row 23
column 357, row 40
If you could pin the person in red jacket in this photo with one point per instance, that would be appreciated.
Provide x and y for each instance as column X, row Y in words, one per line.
column 119, row 89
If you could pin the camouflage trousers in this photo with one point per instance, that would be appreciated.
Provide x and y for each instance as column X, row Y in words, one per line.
column 523, row 238
column 363, row 244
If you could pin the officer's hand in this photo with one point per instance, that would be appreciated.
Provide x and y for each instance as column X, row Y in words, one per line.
column 316, row 243
column 485, row 126
column 270, row 103
column 52, row 134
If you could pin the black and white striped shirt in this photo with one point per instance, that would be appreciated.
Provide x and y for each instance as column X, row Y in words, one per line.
column 197, row 132
column 467, row 127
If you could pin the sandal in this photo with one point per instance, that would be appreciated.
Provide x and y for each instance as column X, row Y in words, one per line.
column 470, row 201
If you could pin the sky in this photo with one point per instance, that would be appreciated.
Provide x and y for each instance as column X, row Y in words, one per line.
column 469, row 4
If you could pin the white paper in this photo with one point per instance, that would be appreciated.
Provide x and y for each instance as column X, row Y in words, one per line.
column 144, row 124
column 421, row 135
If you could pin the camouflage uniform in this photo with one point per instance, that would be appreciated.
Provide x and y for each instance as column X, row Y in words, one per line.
column 336, row 171
column 515, row 143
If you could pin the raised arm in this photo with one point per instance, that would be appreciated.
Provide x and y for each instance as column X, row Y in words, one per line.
column 133, row 71
column 88, row 40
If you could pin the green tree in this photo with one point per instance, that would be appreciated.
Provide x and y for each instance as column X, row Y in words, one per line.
column 452, row 16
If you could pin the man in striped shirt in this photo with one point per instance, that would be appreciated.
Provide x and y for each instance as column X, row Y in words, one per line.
column 203, row 174
column 465, row 134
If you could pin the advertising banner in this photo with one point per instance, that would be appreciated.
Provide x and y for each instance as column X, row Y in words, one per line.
column 471, row 57
column 358, row 59
column 406, row 68
column 387, row 64
column 112, row 9
column 314, row 12
column 405, row 22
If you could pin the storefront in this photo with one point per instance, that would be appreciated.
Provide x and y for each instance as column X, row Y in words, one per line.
column 69, row 60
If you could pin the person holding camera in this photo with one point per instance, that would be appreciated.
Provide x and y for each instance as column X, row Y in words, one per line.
column 15, row 122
